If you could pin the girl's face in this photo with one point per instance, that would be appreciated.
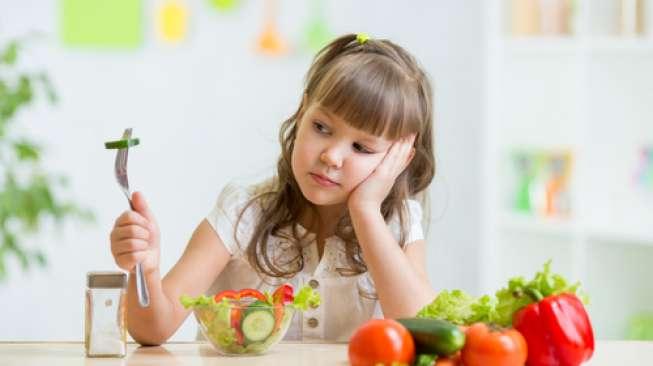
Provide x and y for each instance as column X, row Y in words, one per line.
column 330, row 158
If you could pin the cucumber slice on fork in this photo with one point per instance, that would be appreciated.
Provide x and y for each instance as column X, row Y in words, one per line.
column 122, row 144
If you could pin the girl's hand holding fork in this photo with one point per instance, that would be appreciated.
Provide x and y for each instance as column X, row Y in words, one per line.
column 135, row 237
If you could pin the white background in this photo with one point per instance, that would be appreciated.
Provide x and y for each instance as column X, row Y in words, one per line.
column 207, row 112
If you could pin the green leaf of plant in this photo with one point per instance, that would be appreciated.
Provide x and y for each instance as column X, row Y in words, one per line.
column 50, row 93
column 26, row 151
column 10, row 53
column 40, row 258
column 30, row 199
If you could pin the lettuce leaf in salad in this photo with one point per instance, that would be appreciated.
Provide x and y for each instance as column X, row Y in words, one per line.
column 305, row 298
column 190, row 302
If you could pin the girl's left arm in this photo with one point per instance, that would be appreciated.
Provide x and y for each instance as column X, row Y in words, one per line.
column 399, row 275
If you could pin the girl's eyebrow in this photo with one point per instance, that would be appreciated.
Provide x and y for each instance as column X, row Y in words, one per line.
column 364, row 137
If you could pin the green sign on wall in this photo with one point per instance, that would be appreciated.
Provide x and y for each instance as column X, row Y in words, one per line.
column 102, row 23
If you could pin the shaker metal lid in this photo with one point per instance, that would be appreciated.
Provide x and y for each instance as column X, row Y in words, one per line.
column 106, row 279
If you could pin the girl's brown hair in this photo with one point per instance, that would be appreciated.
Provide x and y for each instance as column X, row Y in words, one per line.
column 375, row 86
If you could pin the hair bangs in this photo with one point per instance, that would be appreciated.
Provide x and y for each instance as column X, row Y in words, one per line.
column 371, row 95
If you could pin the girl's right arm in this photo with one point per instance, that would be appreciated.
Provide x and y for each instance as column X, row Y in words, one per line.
column 135, row 238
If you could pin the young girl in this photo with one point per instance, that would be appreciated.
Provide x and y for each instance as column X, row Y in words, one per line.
column 338, row 215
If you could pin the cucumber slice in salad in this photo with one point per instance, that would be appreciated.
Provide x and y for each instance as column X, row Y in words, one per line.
column 121, row 144
column 258, row 323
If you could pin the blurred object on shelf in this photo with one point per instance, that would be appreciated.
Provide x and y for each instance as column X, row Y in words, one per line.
column 524, row 16
column 644, row 174
column 640, row 327
column 172, row 21
column 541, row 182
column 540, row 17
column 270, row 42
column 317, row 33
column 631, row 17
column 557, row 192
column 555, row 16
column 225, row 5
column 525, row 175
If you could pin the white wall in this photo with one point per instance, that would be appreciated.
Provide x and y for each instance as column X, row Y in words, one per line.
column 207, row 112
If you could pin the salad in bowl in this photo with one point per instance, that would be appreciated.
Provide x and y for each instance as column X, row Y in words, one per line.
column 247, row 321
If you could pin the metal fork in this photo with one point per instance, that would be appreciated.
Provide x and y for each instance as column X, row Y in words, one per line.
column 121, row 177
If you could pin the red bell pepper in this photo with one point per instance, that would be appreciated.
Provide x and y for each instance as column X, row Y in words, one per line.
column 283, row 294
column 237, row 295
column 250, row 292
column 557, row 329
column 227, row 294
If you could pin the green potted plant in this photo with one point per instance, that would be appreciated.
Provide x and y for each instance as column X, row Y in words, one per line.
column 27, row 191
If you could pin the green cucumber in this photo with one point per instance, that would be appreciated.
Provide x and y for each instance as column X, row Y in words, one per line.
column 424, row 359
column 434, row 335
column 258, row 322
column 121, row 144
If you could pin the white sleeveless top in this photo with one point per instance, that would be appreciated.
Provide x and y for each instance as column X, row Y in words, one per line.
column 345, row 304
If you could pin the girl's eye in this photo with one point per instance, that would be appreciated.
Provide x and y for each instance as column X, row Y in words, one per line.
column 320, row 128
column 362, row 149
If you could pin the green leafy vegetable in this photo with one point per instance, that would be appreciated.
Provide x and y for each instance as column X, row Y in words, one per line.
column 454, row 306
column 189, row 302
column 306, row 297
column 461, row 308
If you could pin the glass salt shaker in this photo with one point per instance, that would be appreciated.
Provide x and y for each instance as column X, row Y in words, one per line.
column 105, row 332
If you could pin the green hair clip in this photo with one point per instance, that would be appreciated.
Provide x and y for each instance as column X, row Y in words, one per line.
column 362, row 38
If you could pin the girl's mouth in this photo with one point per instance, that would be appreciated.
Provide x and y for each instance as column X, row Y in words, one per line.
column 322, row 180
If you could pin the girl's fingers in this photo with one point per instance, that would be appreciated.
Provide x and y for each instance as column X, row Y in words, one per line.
column 128, row 246
column 129, row 231
column 398, row 155
column 128, row 261
column 131, row 218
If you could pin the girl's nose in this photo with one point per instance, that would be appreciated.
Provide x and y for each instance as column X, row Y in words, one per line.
column 331, row 158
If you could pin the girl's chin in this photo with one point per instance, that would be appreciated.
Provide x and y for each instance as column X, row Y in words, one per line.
column 321, row 198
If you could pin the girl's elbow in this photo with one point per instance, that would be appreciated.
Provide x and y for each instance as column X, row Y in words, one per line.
column 148, row 339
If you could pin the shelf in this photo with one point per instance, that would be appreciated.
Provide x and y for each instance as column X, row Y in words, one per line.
column 522, row 223
column 636, row 236
column 621, row 45
column 549, row 226
column 540, row 45
column 571, row 45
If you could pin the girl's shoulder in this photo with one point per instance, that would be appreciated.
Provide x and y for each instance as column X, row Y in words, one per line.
column 413, row 217
column 239, row 195
column 235, row 213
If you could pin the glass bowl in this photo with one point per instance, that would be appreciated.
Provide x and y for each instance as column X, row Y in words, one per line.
column 243, row 327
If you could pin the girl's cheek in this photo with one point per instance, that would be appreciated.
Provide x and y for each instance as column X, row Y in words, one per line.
column 361, row 170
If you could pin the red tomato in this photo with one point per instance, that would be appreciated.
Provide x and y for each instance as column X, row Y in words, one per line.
column 489, row 346
column 381, row 341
